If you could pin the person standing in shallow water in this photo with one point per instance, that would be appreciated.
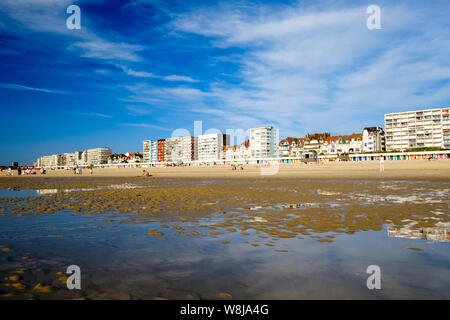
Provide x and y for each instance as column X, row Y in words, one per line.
column 382, row 163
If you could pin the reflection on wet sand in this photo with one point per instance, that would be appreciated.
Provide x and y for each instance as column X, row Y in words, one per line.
column 441, row 232
column 203, row 239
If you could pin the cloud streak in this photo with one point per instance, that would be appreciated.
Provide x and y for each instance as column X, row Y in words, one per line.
column 27, row 88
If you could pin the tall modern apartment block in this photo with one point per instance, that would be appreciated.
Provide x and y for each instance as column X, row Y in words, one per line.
column 189, row 148
column 210, row 146
column 173, row 150
column 161, row 150
column 150, row 151
column 98, row 155
column 416, row 129
column 264, row 142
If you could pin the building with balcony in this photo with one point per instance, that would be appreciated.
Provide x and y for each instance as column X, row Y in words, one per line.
column 161, row 150
column 417, row 129
column 210, row 146
column 173, row 149
column 264, row 142
column 98, row 155
column 189, row 149
column 150, row 151
column 373, row 139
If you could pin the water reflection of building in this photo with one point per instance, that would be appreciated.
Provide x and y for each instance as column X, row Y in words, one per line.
column 46, row 191
column 441, row 232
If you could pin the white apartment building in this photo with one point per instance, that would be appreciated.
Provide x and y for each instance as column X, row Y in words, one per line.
column 150, row 150
column 264, row 142
column 173, row 150
column 56, row 160
column 68, row 159
column 44, row 161
column 373, row 139
column 189, row 148
column 210, row 146
column 416, row 129
column 98, row 155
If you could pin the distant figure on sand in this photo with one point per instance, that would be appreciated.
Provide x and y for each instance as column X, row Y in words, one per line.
column 382, row 163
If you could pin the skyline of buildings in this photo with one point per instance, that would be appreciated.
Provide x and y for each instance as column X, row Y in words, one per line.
column 428, row 128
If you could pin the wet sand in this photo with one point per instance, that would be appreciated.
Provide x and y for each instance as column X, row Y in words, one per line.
column 252, row 238
column 436, row 170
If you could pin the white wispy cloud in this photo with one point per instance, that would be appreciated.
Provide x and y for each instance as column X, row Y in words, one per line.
column 145, row 125
column 106, row 50
column 94, row 114
column 311, row 68
column 137, row 111
column 175, row 77
column 41, row 16
column 145, row 74
column 27, row 88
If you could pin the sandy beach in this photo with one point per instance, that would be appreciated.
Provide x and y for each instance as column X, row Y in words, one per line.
column 438, row 170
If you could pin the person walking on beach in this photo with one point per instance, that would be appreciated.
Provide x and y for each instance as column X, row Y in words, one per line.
column 382, row 163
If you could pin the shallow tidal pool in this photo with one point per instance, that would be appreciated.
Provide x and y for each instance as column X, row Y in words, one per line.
column 265, row 239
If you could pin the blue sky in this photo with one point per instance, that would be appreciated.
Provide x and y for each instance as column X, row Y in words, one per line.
column 141, row 69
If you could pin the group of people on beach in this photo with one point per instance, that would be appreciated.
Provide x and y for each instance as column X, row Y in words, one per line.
column 78, row 170
column 235, row 167
column 27, row 171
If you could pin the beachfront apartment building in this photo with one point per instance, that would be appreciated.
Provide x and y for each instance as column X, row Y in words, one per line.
column 87, row 157
column 150, row 151
column 189, row 148
column 373, row 139
column 210, row 146
column 173, row 149
column 44, row 161
column 264, row 142
column 98, row 155
column 68, row 159
column 161, row 150
column 417, row 129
